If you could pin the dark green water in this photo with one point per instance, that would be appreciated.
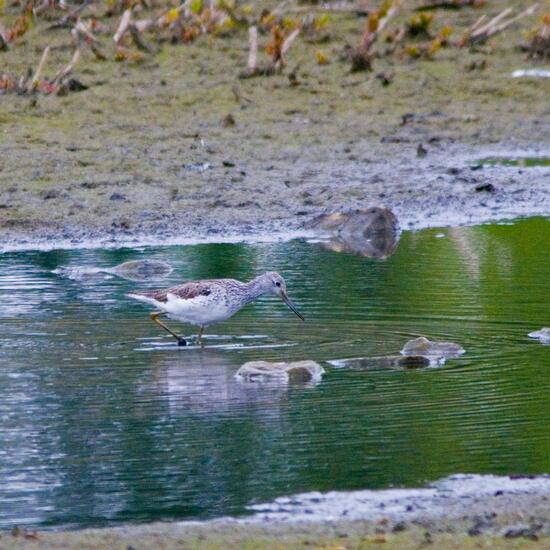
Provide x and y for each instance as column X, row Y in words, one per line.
column 104, row 420
column 520, row 162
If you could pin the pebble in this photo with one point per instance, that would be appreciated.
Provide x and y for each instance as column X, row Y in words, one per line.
column 117, row 197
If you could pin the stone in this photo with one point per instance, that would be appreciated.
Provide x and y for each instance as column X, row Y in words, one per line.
column 385, row 362
column 281, row 372
column 141, row 270
column 372, row 232
column 426, row 348
column 543, row 335
column 117, row 197
column 134, row 270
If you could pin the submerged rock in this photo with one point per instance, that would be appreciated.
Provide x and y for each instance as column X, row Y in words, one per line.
column 543, row 335
column 295, row 372
column 372, row 233
column 142, row 270
column 135, row 270
column 386, row 362
column 426, row 348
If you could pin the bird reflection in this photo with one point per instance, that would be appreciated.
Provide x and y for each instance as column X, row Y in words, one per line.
column 204, row 382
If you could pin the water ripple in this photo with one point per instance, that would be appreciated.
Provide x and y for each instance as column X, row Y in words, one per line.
column 105, row 420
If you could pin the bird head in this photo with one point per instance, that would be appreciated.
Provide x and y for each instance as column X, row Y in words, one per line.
column 277, row 285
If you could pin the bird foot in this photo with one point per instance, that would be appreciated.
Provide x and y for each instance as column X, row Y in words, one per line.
column 182, row 342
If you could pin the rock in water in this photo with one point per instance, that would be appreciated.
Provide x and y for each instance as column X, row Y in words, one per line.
column 543, row 335
column 141, row 270
column 135, row 270
column 386, row 362
column 373, row 232
column 264, row 371
column 426, row 348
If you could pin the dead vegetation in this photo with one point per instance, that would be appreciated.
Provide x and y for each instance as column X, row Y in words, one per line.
column 482, row 29
column 33, row 82
column 538, row 47
column 133, row 31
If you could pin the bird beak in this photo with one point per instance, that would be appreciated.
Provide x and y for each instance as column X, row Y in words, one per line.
column 290, row 304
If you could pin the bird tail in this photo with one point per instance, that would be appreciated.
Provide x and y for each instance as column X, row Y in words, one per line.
column 143, row 297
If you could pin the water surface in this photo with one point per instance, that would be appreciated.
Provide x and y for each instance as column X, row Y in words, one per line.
column 104, row 420
column 520, row 162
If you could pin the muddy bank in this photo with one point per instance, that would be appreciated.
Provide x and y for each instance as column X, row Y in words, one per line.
column 444, row 189
column 457, row 512
column 176, row 147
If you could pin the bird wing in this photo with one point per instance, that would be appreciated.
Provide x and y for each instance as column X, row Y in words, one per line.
column 186, row 291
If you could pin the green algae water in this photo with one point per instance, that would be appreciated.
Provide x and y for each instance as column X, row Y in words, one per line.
column 519, row 162
column 104, row 420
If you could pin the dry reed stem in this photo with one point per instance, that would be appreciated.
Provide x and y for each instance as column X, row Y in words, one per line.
column 123, row 26
column 252, row 54
column 68, row 69
column 36, row 77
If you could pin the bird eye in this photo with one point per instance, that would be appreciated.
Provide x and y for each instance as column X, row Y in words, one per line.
column 277, row 283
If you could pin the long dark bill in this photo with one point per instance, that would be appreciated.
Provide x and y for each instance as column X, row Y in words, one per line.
column 291, row 305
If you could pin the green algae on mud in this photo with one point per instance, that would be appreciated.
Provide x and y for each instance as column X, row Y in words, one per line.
column 337, row 140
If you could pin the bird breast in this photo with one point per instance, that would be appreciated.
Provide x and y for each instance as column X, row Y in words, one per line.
column 201, row 310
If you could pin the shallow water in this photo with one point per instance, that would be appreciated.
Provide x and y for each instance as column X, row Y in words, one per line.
column 105, row 420
column 521, row 162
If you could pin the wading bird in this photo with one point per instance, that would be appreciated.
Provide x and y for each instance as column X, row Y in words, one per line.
column 210, row 301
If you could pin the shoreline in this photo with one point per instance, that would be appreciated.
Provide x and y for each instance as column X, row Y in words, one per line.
column 445, row 189
column 460, row 511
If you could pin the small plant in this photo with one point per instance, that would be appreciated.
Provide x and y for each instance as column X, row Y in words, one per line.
column 361, row 57
column 539, row 45
column 34, row 83
column 444, row 35
column 275, row 47
column 314, row 28
column 427, row 50
column 131, row 56
column 281, row 40
column 22, row 24
column 419, row 24
column 321, row 58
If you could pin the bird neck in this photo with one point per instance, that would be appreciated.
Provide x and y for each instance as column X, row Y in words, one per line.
column 255, row 288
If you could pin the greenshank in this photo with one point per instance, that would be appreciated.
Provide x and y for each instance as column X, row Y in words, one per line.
column 210, row 301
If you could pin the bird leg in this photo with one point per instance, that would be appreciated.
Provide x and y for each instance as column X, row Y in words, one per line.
column 154, row 318
column 199, row 338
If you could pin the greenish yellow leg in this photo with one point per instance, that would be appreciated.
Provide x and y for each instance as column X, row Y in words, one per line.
column 199, row 338
column 154, row 318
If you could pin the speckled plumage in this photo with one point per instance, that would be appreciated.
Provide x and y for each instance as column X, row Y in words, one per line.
column 211, row 301
column 202, row 302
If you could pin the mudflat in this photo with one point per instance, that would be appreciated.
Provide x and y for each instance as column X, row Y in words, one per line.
column 180, row 145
